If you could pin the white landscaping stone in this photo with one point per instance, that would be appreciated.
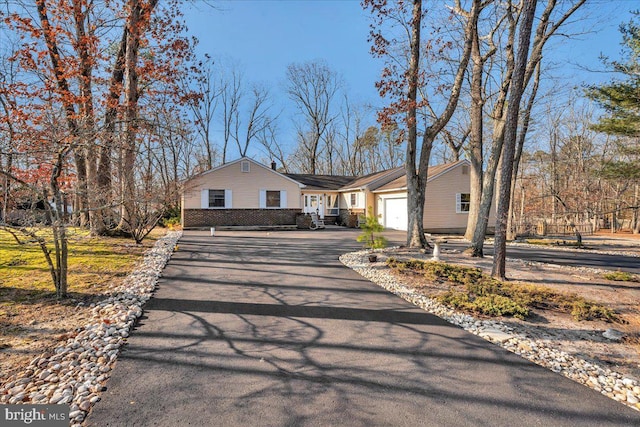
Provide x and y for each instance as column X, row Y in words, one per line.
column 496, row 335
column 73, row 369
column 613, row 334
column 537, row 351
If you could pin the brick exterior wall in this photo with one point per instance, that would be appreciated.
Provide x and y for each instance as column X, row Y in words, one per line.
column 243, row 217
column 349, row 217
column 303, row 220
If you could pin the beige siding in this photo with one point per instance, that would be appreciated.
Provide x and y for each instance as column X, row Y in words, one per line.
column 371, row 203
column 245, row 186
column 440, row 200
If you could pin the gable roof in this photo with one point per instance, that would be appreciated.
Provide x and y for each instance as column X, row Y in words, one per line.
column 374, row 180
column 379, row 182
column 434, row 172
column 224, row 165
column 321, row 182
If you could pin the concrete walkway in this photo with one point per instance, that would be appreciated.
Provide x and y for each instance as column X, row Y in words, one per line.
column 269, row 329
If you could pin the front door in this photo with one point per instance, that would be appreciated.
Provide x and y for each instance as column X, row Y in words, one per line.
column 314, row 203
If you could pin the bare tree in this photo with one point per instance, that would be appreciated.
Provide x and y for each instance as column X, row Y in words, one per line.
column 409, row 88
column 479, row 58
column 268, row 138
column 312, row 86
column 551, row 18
column 231, row 94
column 204, row 107
column 257, row 119
column 516, row 91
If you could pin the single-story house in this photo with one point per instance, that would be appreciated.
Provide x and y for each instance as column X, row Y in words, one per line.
column 246, row 193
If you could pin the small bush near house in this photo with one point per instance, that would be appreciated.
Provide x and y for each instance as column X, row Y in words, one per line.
column 370, row 227
column 621, row 276
column 171, row 218
column 475, row 292
column 172, row 223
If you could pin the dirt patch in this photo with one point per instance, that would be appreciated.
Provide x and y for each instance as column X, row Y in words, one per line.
column 581, row 338
column 33, row 322
column 36, row 329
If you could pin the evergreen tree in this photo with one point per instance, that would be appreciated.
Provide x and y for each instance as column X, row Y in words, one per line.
column 621, row 98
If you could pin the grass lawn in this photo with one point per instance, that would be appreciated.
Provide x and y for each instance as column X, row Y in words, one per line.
column 32, row 320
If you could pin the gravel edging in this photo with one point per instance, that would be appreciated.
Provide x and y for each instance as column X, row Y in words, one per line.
column 541, row 352
column 76, row 372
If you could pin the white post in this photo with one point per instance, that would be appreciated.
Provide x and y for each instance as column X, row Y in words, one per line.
column 436, row 251
column 213, row 231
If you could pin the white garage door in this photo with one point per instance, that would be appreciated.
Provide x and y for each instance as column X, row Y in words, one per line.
column 395, row 213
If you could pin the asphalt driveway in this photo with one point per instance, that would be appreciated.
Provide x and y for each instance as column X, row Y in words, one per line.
column 269, row 329
column 571, row 258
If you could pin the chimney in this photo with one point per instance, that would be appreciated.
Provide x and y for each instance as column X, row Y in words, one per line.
column 273, row 165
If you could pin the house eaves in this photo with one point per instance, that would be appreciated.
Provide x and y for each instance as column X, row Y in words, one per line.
column 400, row 183
column 373, row 181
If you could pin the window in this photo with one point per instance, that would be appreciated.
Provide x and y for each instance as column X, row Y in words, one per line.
column 354, row 200
column 332, row 204
column 463, row 200
column 244, row 166
column 273, row 199
column 216, row 199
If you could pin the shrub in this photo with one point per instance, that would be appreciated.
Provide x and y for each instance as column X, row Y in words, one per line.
column 486, row 295
column 621, row 276
column 368, row 236
column 171, row 223
column 498, row 305
column 585, row 310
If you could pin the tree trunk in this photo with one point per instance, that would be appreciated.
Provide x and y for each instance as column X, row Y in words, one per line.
column 476, row 137
column 415, row 235
column 508, row 149
column 636, row 220
column 522, row 136
column 86, row 123
column 58, row 228
column 82, row 196
column 415, row 210
column 7, row 188
column 415, row 186
column 104, row 196
column 137, row 23
column 489, row 176
column 129, row 150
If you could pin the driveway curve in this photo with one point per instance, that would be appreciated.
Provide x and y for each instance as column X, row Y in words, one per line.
column 269, row 329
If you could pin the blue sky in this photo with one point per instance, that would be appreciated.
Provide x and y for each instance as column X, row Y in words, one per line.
column 265, row 36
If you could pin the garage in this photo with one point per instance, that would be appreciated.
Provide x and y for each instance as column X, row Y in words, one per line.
column 395, row 213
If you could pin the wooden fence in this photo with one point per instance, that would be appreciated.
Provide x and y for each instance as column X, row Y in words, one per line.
column 544, row 229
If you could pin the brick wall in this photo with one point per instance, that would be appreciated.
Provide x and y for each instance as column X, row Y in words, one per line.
column 246, row 217
column 349, row 217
